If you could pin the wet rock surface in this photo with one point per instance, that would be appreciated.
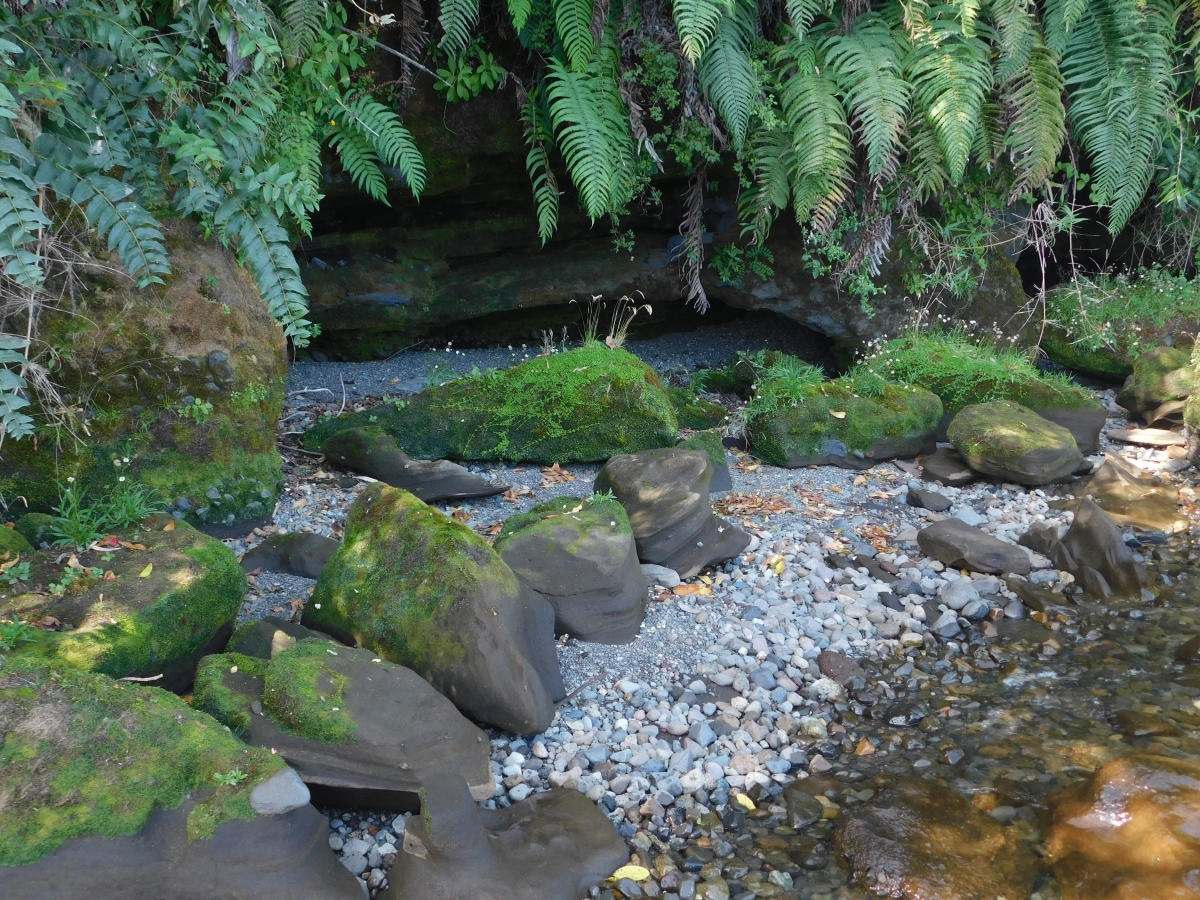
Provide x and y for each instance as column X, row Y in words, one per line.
column 955, row 543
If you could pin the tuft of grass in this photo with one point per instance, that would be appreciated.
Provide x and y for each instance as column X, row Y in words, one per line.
column 79, row 522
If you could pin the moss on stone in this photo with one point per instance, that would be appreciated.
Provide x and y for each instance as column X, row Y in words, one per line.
column 709, row 443
column 579, row 513
column 1002, row 430
column 695, row 412
column 581, row 406
column 35, row 527
column 1160, row 375
column 212, row 694
column 12, row 542
column 402, row 571
column 85, row 755
column 134, row 625
column 306, row 696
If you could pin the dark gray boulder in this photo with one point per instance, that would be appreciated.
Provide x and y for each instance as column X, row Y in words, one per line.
column 1013, row 443
column 296, row 553
column 955, row 543
column 554, row 845
column 580, row 555
column 1095, row 541
column 375, row 453
column 930, row 500
column 946, row 466
column 665, row 493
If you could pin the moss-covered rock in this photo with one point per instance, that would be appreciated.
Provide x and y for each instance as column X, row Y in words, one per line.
column 213, row 694
column 581, row 406
column 424, row 591
column 696, row 412
column 1162, row 375
column 712, row 445
column 1014, row 443
column 834, row 424
column 84, row 755
column 161, row 609
column 306, row 695
column 183, row 380
column 12, row 542
column 35, row 527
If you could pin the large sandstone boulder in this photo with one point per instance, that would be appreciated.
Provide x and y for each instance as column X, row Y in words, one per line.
column 1011, row 442
column 962, row 546
column 1094, row 541
column 375, row 453
column 711, row 444
column 424, row 591
column 918, row 840
column 108, row 784
column 297, row 553
column 580, row 555
column 580, row 406
column 665, row 493
column 344, row 718
column 554, row 845
column 184, row 380
column 148, row 612
column 837, row 424
column 1161, row 378
column 1131, row 830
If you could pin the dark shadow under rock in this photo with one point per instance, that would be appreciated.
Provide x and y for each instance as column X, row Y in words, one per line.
column 297, row 553
column 955, row 543
column 552, row 846
column 376, row 454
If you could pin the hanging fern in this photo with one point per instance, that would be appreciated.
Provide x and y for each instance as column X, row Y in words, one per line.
column 457, row 18
column 131, row 231
column 804, row 12
column 585, row 136
column 538, row 135
column 1038, row 126
column 725, row 70
column 697, row 21
column 518, row 11
column 302, row 22
column 389, row 140
column 1017, row 30
column 360, row 161
column 573, row 19
column 21, row 218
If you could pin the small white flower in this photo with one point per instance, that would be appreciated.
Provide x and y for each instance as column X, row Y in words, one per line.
column 121, row 479
column 70, row 479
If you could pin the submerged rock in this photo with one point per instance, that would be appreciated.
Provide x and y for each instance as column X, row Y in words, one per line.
column 163, row 607
column 344, row 718
column 1132, row 830
column 580, row 555
column 298, row 553
column 584, row 405
column 425, row 591
column 1130, row 496
column 918, row 840
column 955, row 543
column 665, row 493
column 1010, row 442
column 552, row 846
column 375, row 453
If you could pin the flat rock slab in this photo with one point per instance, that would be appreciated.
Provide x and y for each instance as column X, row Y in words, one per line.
column 946, row 466
column 297, row 553
column 264, row 638
column 955, row 543
column 930, row 500
column 918, row 840
column 554, row 845
column 1147, row 437
column 840, row 668
column 376, row 454
column 1133, row 497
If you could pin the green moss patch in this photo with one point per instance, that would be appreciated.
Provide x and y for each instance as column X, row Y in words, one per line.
column 597, row 509
column 215, row 692
column 159, row 606
column 402, row 571
column 1002, row 430
column 696, row 412
column 35, row 527
column 12, row 542
column 581, row 406
column 709, row 443
column 962, row 371
column 305, row 696
column 85, row 755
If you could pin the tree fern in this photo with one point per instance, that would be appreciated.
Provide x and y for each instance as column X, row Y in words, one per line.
column 725, row 71
column 696, row 22
column 1038, row 127
column 866, row 64
column 573, row 19
column 457, row 18
column 951, row 77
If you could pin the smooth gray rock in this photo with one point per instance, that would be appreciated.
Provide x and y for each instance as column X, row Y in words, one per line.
column 957, row 544
column 930, row 500
column 946, row 467
column 1095, row 541
column 297, row 553
column 1012, row 442
column 958, row 594
column 280, row 794
column 661, row 575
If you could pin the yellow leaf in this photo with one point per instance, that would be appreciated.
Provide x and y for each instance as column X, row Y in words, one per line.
column 706, row 579
column 145, row 573
column 633, row 873
column 837, row 413
column 860, row 480
column 746, row 802
column 170, row 526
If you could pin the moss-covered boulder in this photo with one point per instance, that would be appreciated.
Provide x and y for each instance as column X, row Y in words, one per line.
column 1162, row 380
column 103, row 782
column 12, row 542
column 580, row 555
column 962, row 371
column 837, row 423
column 581, row 406
column 696, row 412
column 423, row 590
column 133, row 612
column 35, row 528
column 1013, row 443
column 1100, row 326
column 711, row 444
column 184, row 381
column 344, row 718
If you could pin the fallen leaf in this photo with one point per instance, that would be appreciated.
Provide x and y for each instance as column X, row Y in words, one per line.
column 745, row 466
column 49, row 623
column 276, row 609
column 496, row 529
column 860, row 480
column 170, row 526
column 633, row 873
column 746, row 802
column 837, row 413
column 692, row 590
column 129, row 546
column 836, row 489
column 73, row 562
column 555, row 475
column 741, row 505
column 110, row 575
column 461, row 514
column 300, row 504
column 145, row 573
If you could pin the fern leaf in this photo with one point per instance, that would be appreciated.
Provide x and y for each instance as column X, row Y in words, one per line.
column 771, row 191
column 968, row 12
column 518, row 11
column 725, row 71
column 131, row 231
column 951, row 76
column 585, row 137
column 804, row 12
column 537, row 164
column 573, row 21
column 926, row 164
column 388, row 137
column 21, row 218
column 301, row 24
column 1038, row 127
column 866, row 64
column 457, row 18
column 1017, row 32
column 696, row 22
column 360, row 162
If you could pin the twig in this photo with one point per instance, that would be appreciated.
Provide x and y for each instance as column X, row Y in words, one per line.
column 310, row 391
column 299, row 450
column 133, row 678
column 342, row 408
column 575, row 693
column 406, row 58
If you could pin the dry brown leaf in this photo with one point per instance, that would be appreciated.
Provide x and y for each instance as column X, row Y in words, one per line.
column 555, row 475
column 742, row 505
column 170, row 526
column 495, row 529
column 691, row 590
column 514, row 495
column 295, row 604
column 837, row 413
column 860, row 480
column 745, row 466
column 836, row 489
column 128, row 546
column 461, row 514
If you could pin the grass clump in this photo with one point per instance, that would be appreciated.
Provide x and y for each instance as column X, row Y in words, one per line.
column 85, row 755
column 1101, row 325
column 306, row 696
column 962, row 371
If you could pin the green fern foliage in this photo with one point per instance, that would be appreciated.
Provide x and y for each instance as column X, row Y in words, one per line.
column 1038, row 118
column 388, row 139
column 725, row 70
column 457, row 18
column 538, row 135
column 573, row 19
column 697, row 22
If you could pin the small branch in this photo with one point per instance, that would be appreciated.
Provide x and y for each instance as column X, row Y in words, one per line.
column 579, row 690
column 133, row 678
column 405, row 57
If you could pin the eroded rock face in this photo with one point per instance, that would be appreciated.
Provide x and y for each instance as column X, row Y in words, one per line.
column 554, row 845
column 1130, row 831
column 955, row 543
column 665, row 493
column 1014, row 443
column 580, row 555
column 426, row 592
column 1094, row 541
column 918, row 840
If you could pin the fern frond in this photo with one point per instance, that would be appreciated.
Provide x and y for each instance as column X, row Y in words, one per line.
column 518, row 11
column 537, row 163
column 584, row 135
column 804, row 12
column 301, row 22
column 360, row 161
column 21, row 218
column 573, row 21
column 696, row 22
column 388, row 137
column 111, row 209
column 1038, row 127
column 925, row 164
column 1017, row 32
column 951, row 76
column 771, row 191
column 725, row 71
column 866, row 64
column 457, row 18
